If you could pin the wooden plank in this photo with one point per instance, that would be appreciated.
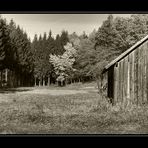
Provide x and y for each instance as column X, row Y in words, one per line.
column 136, row 76
column 132, row 78
column 115, row 83
column 125, row 80
column 118, row 66
column 142, row 72
column 130, row 75
column 126, row 52
column 120, row 83
column 122, row 79
column 147, row 71
column 145, row 80
column 124, row 88
column 139, row 77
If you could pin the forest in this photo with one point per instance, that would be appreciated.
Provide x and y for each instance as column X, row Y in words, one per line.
column 66, row 58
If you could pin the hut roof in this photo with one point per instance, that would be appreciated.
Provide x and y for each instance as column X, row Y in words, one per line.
column 125, row 53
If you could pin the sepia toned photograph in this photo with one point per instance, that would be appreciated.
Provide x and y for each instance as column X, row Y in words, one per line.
column 73, row 73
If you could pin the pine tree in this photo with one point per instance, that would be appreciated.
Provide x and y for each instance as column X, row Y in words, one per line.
column 13, row 41
column 64, row 38
column 4, row 44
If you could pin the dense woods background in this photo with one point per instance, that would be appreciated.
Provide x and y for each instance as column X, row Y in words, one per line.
column 30, row 64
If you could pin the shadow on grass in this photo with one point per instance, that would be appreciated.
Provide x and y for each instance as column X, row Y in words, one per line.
column 12, row 90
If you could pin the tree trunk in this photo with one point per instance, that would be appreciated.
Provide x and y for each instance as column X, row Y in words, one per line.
column 11, row 79
column 19, row 83
column 21, row 80
column 6, row 75
column 15, row 80
column 48, row 80
column 43, row 81
column 40, row 82
column 1, row 78
column 35, row 82
column 59, row 83
column 65, row 81
column 79, row 80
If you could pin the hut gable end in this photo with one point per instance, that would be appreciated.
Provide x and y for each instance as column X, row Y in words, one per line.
column 127, row 75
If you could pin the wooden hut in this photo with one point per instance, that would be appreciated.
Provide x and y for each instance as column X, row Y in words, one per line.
column 127, row 75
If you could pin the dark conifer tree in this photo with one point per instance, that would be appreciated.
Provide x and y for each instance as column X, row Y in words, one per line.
column 5, row 50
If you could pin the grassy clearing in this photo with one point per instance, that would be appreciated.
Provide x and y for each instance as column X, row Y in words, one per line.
column 69, row 114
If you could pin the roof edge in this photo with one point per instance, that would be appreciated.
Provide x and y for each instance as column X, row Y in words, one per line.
column 125, row 53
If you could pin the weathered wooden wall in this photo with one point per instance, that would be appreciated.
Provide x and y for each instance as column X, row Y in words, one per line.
column 128, row 78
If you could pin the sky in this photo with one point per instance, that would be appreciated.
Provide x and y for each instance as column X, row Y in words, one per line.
column 40, row 23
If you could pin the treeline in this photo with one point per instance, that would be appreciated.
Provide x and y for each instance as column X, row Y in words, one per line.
column 15, row 53
column 42, row 47
column 45, row 45
column 30, row 60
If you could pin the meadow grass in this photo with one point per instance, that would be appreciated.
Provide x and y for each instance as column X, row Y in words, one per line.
column 88, row 113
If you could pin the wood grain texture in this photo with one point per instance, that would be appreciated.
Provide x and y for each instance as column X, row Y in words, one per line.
column 132, row 78
column 147, row 71
column 129, row 78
